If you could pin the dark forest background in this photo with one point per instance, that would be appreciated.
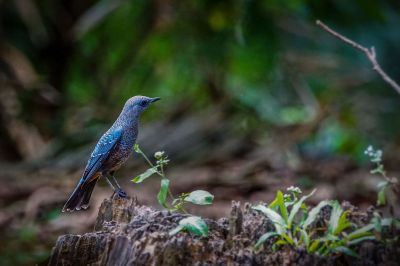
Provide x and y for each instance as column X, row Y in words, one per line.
column 255, row 98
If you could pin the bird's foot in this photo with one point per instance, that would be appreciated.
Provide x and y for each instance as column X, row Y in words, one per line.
column 120, row 193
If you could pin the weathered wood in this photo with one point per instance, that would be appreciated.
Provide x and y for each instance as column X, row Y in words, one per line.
column 127, row 233
column 115, row 210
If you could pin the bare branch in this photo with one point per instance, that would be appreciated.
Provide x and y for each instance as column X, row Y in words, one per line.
column 370, row 53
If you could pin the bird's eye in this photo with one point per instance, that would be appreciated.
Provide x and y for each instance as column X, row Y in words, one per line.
column 143, row 103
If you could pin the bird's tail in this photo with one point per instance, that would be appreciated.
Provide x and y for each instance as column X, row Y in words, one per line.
column 80, row 197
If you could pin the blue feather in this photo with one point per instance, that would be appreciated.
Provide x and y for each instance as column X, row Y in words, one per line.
column 101, row 152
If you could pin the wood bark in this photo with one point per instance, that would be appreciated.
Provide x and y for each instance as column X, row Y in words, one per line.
column 127, row 233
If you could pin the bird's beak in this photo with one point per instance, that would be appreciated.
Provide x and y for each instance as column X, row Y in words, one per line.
column 155, row 99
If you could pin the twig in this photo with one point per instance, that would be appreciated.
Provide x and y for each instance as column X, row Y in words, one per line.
column 370, row 53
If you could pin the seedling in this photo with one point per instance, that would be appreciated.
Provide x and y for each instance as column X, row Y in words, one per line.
column 193, row 224
column 389, row 185
column 387, row 195
column 295, row 225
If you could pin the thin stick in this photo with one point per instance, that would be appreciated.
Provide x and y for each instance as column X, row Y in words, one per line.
column 370, row 53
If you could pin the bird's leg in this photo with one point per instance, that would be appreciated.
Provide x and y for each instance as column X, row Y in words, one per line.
column 109, row 183
column 115, row 181
column 119, row 191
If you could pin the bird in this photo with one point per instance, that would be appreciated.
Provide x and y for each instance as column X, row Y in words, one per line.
column 110, row 152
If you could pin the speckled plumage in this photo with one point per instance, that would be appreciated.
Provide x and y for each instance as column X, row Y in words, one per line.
column 111, row 151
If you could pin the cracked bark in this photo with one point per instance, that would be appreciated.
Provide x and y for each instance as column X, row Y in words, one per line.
column 127, row 233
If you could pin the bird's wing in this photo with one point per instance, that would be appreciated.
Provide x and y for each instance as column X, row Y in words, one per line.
column 100, row 153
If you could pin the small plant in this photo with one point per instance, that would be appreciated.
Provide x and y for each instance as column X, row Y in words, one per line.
column 193, row 224
column 387, row 196
column 389, row 185
column 294, row 224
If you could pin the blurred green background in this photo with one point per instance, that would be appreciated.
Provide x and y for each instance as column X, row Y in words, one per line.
column 273, row 85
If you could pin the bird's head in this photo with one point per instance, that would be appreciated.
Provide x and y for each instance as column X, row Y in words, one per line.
column 138, row 104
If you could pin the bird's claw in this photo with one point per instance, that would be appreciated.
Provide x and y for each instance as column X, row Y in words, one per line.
column 120, row 193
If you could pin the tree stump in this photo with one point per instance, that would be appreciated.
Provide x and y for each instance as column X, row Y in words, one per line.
column 127, row 233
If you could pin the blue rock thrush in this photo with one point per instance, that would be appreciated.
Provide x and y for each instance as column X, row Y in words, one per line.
column 111, row 151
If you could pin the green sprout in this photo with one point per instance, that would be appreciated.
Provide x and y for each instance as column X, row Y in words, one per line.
column 389, row 185
column 387, row 195
column 295, row 225
column 193, row 224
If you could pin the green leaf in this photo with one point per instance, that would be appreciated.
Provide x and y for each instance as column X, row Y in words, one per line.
column 347, row 251
column 323, row 250
column 273, row 204
column 276, row 219
column 176, row 230
column 175, row 201
column 381, row 197
column 329, row 237
column 313, row 214
column 304, row 237
column 200, row 197
column 382, row 184
column 336, row 215
column 342, row 224
column 377, row 221
column 264, row 238
column 280, row 242
column 140, row 178
column 361, row 232
column 379, row 170
column 193, row 224
column 282, row 206
column 162, row 194
column 136, row 148
column 360, row 239
column 313, row 246
column 386, row 221
column 395, row 222
column 288, row 239
column 390, row 222
column 296, row 208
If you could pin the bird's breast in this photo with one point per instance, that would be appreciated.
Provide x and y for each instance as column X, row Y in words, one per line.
column 117, row 158
column 121, row 151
